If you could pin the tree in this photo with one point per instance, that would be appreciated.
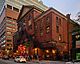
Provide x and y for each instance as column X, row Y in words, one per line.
column 78, row 18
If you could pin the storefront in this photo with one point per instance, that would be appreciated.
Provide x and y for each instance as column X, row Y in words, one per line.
column 76, row 46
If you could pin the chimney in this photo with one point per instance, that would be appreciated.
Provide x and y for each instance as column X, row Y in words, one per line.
column 68, row 16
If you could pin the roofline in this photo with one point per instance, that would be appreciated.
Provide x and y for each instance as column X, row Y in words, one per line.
column 49, row 10
column 32, row 7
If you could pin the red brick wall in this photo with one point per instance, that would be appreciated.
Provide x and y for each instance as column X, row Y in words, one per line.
column 12, row 14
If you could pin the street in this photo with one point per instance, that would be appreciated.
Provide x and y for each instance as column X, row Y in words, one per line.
column 11, row 61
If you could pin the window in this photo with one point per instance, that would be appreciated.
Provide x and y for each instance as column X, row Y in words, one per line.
column 60, row 37
column 29, row 22
column 47, row 29
column 9, row 36
column 8, row 32
column 47, row 20
column 9, row 40
column 57, row 23
column 41, row 24
column 16, row 9
column 8, row 6
column 41, row 32
column 9, row 24
column 57, row 28
column 36, row 27
column 29, row 16
column 8, row 28
column 14, row 29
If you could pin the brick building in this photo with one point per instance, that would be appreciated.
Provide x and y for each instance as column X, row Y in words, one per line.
column 45, row 33
column 9, row 26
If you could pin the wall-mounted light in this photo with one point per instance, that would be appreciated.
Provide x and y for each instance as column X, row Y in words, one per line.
column 47, row 51
column 53, row 51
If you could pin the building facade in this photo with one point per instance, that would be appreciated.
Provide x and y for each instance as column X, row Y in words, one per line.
column 11, row 15
column 44, row 33
column 2, row 24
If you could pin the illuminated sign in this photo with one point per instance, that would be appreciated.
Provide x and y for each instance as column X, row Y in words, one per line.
column 77, row 56
column 78, row 44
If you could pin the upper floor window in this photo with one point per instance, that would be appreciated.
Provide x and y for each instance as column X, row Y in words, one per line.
column 9, row 40
column 9, row 6
column 60, row 37
column 29, row 22
column 57, row 22
column 48, row 29
column 47, row 21
column 8, row 28
column 8, row 32
column 29, row 16
column 16, row 9
column 41, row 32
column 41, row 23
column 57, row 28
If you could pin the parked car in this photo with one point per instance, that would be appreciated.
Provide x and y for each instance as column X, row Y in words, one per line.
column 20, row 59
column 5, row 57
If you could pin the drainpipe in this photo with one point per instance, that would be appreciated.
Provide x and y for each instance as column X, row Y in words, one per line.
column 68, row 20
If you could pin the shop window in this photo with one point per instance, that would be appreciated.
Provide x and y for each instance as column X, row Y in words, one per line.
column 8, row 6
column 47, row 29
column 16, row 9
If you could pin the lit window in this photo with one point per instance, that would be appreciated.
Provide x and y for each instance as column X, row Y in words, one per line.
column 47, row 29
column 8, row 32
column 60, row 37
column 3, row 45
column 29, row 22
column 77, row 36
column 14, row 29
column 4, row 41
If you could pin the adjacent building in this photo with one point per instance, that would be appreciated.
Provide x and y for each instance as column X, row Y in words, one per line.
column 2, row 24
column 9, row 26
